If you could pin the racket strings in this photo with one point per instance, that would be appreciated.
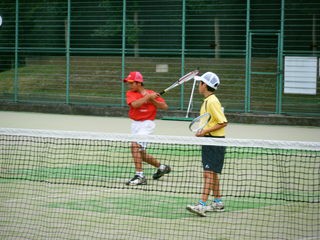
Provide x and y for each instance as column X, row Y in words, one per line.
column 200, row 122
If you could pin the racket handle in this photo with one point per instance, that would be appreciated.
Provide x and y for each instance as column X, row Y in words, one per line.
column 162, row 92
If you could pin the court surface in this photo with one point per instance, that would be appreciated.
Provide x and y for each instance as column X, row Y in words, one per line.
column 29, row 120
column 72, row 196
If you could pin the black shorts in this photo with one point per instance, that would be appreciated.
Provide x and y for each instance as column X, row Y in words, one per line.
column 213, row 158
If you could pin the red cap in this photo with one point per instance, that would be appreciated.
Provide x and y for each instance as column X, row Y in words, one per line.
column 134, row 77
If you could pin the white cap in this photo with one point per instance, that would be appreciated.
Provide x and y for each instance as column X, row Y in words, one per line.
column 209, row 78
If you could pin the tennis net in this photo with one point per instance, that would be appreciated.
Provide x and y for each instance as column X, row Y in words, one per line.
column 71, row 185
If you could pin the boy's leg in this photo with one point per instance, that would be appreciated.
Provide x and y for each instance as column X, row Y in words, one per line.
column 149, row 159
column 137, row 156
column 208, row 178
column 138, row 178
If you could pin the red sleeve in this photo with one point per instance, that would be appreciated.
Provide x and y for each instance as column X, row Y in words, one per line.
column 131, row 97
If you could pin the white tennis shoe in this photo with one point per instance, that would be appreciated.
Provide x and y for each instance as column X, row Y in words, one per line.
column 215, row 207
column 198, row 209
column 137, row 180
column 164, row 169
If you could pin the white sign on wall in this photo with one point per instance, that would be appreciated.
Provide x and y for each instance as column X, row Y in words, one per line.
column 300, row 75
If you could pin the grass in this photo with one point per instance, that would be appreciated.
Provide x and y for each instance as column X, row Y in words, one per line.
column 97, row 80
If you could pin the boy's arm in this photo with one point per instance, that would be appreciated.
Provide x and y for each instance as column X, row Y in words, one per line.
column 214, row 128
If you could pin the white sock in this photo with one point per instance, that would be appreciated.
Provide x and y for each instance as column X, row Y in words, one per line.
column 162, row 167
column 139, row 174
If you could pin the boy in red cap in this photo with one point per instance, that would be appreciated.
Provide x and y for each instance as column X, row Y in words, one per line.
column 143, row 104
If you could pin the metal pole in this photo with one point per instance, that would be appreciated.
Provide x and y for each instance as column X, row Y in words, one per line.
column 68, row 54
column 16, row 55
column 191, row 98
column 183, row 39
column 248, row 61
column 280, row 61
column 123, row 54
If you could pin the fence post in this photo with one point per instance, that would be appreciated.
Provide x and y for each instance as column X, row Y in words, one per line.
column 68, row 54
column 248, row 63
column 183, row 40
column 16, row 54
column 123, row 51
column 280, row 62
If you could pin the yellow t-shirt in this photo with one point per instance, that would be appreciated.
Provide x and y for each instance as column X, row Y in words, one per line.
column 212, row 105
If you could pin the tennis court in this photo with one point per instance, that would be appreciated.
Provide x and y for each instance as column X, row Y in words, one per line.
column 73, row 187
column 63, row 176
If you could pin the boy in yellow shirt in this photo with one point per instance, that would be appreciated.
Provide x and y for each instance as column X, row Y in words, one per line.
column 212, row 156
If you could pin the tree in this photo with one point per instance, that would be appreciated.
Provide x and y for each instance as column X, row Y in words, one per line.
column 113, row 28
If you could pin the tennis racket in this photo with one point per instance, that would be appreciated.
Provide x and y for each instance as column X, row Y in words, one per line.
column 200, row 122
column 182, row 80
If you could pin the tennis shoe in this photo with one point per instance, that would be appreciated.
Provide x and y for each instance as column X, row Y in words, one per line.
column 198, row 209
column 137, row 180
column 215, row 207
column 160, row 172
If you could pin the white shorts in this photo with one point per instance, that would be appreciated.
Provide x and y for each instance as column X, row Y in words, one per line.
column 143, row 128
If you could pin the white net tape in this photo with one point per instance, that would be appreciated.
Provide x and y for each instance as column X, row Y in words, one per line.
column 274, row 144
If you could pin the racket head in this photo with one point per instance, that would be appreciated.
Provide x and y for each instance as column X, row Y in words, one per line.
column 199, row 122
column 181, row 80
column 188, row 76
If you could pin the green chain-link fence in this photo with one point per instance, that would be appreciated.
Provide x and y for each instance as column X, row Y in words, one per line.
column 77, row 52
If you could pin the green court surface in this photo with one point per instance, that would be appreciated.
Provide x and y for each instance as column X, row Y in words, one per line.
column 84, row 197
